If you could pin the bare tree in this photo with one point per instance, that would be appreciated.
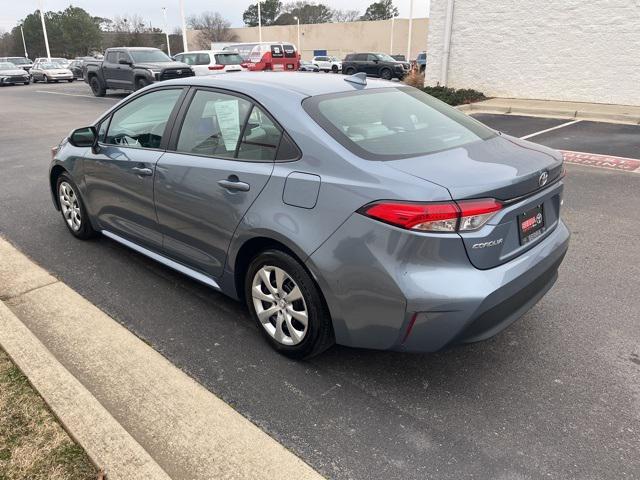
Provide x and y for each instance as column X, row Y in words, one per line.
column 346, row 15
column 213, row 27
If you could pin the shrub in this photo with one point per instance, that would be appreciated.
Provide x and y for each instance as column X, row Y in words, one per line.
column 455, row 97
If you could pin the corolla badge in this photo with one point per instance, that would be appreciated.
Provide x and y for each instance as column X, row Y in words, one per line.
column 492, row 243
column 543, row 179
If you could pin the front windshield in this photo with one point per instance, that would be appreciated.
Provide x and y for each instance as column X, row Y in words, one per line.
column 7, row 66
column 391, row 123
column 149, row 56
column 385, row 58
column 19, row 61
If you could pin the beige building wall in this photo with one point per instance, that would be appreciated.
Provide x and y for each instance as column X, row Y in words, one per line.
column 342, row 38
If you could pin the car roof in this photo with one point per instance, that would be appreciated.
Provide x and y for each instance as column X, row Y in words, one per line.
column 302, row 84
column 226, row 52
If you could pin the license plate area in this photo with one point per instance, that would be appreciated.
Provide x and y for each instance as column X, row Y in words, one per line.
column 531, row 224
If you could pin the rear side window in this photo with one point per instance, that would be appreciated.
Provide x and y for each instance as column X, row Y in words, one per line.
column 289, row 51
column 213, row 124
column 276, row 51
column 141, row 123
column 392, row 123
column 112, row 57
column 360, row 57
column 260, row 139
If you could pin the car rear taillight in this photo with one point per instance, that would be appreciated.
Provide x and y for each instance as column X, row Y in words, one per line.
column 216, row 67
column 244, row 65
column 462, row 216
column 475, row 213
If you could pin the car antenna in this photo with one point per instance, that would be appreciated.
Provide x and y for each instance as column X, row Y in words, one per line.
column 357, row 78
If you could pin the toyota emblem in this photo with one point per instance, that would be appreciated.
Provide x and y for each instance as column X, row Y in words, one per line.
column 543, row 179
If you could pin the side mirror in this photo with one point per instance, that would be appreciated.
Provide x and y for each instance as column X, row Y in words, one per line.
column 376, row 60
column 122, row 61
column 84, row 137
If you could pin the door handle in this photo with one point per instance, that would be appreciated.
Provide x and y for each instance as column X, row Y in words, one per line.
column 232, row 183
column 142, row 171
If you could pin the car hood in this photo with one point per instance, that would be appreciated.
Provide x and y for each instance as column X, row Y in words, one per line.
column 501, row 167
column 162, row 65
column 13, row 71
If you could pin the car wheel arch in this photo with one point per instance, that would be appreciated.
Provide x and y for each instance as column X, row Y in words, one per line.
column 56, row 171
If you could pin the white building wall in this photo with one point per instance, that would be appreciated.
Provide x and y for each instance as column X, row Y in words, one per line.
column 575, row 50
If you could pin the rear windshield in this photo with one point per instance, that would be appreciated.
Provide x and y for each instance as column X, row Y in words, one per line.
column 228, row 59
column 392, row 123
column 149, row 56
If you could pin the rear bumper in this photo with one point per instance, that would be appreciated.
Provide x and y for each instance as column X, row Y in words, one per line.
column 380, row 300
column 513, row 289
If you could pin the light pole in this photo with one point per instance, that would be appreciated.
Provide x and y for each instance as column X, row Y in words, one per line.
column 410, row 28
column 24, row 44
column 166, row 31
column 184, row 28
column 299, row 47
column 393, row 22
column 259, row 24
column 44, row 29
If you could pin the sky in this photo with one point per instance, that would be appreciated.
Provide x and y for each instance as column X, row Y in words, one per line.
column 151, row 10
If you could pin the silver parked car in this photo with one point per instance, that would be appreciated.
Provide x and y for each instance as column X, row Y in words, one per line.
column 11, row 75
column 341, row 209
column 50, row 72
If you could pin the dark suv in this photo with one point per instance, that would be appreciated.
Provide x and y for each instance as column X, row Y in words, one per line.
column 376, row 64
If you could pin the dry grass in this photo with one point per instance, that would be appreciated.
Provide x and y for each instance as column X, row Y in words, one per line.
column 414, row 79
column 33, row 446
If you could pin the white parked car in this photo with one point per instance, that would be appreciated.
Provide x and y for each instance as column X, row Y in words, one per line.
column 327, row 64
column 63, row 62
column 212, row 62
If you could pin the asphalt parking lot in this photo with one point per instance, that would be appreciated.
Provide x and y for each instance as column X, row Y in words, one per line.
column 557, row 395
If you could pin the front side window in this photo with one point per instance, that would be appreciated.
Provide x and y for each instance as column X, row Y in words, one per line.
column 213, row 124
column 392, row 123
column 123, row 56
column 141, row 123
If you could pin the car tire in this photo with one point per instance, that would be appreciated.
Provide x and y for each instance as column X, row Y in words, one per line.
column 72, row 208
column 334, row 68
column 70, row 80
column 45, row 79
column 386, row 74
column 141, row 83
column 96, row 87
column 350, row 71
column 285, row 331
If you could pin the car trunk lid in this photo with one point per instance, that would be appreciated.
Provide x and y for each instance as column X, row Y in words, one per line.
column 524, row 176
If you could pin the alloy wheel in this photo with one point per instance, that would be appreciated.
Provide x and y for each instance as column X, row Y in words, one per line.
column 280, row 305
column 70, row 206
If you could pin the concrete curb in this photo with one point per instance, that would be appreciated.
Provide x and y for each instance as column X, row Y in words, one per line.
column 140, row 416
column 108, row 444
column 565, row 110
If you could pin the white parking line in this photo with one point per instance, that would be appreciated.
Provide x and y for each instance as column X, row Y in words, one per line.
column 550, row 129
column 73, row 94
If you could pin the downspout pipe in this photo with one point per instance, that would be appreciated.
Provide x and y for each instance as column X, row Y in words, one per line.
column 448, row 27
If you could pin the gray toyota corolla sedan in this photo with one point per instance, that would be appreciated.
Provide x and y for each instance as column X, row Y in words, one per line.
column 341, row 209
